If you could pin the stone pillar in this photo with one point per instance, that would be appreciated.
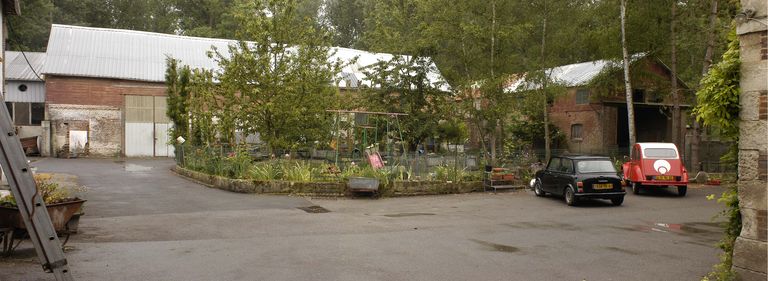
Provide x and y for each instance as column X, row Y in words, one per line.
column 749, row 255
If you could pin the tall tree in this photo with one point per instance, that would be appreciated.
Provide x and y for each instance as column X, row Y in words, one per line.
column 627, row 82
column 403, row 84
column 347, row 20
column 279, row 84
column 676, row 126
column 29, row 32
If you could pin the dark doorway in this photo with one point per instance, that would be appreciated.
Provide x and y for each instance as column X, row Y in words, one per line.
column 651, row 125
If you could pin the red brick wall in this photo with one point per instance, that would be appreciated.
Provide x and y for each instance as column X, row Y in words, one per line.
column 565, row 112
column 96, row 91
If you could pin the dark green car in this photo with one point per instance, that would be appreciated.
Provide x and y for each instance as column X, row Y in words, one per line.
column 580, row 177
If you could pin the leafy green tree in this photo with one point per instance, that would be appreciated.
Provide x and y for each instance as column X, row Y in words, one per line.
column 718, row 98
column 177, row 82
column 347, row 21
column 29, row 32
column 402, row 85
column 279, row 83
column 206, row 18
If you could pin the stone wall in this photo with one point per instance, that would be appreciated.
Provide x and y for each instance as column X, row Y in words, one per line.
column 326, row 189
column 103, row 124
column 749, row 256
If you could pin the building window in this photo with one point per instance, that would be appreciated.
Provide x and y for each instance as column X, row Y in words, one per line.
column 37, row 113
column 9, row 105
column 23, row 88
column 26, row 113
column 576, row 130
column 582, row 96
column 638, row 95
column 21, row 113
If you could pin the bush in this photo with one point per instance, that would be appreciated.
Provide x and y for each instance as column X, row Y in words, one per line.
column 51, row 192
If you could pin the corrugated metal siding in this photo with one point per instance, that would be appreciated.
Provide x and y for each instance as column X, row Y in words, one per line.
column 572, row 75
column 35, row 91
column 139, row 109
column 17, row 67
column 139, row 55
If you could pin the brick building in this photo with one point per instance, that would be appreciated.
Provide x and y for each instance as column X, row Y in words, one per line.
column 593, row 116
column 106, row 87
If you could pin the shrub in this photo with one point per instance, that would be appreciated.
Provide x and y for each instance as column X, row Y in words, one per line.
column 51, row 192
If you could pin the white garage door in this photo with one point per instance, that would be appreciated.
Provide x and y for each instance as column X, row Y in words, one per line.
column 146, row 127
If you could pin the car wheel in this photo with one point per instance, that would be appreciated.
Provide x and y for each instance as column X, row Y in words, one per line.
column 537, row 189
column 570, row 198
column 617, row 201
column 636, row 188
column 682, row 190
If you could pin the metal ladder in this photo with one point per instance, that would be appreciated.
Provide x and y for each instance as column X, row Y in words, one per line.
column 30, row 203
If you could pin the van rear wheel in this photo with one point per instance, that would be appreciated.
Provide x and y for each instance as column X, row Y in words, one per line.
column 682, row 190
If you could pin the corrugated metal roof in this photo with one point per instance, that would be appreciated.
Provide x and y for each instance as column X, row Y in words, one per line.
column 139, row 55
column 572, row 75
column 17, row 68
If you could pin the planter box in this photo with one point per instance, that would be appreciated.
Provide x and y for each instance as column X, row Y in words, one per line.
column 60, row 214
column 363, row 184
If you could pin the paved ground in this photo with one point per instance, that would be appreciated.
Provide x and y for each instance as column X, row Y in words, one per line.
column 144, row 223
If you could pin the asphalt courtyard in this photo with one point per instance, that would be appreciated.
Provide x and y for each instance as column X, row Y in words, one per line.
column 143, row 222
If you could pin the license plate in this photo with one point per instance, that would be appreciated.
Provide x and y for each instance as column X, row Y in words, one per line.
column 602, row 186
column 665, row 178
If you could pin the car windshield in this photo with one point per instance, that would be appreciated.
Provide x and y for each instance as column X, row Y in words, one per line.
column 595, row 166
column 660, row 153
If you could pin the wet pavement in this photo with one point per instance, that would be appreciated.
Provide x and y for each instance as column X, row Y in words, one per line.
column 144, row 223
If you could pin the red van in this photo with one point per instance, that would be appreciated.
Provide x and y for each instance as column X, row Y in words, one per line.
column 654, row 164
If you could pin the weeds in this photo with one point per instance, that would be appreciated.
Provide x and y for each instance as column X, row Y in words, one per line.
column 722, row 271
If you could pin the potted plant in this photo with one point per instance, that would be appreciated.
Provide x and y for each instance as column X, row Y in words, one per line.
column 60, row 202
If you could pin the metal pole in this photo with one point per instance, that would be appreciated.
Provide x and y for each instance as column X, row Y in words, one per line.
column 338, row 145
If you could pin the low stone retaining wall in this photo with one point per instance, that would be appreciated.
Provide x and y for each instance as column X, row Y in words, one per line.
column 326, row 189
column 266, row 187
column 409, row 188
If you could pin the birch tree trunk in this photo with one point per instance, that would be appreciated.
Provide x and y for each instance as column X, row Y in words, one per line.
column 677, row 135
column 627, row 83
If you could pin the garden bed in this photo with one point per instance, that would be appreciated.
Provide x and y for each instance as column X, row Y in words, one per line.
column 326, row 189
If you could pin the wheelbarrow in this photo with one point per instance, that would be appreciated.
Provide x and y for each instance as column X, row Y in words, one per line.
column 64, row 217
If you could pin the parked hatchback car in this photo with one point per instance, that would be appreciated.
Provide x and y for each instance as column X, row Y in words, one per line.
column 655, row 165
column 579, row 177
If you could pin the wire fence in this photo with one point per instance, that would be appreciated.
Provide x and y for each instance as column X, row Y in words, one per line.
column 235, row 161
